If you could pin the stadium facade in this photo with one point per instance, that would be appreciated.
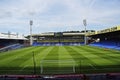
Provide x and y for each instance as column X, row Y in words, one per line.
column 108, row 38
column 60, row 38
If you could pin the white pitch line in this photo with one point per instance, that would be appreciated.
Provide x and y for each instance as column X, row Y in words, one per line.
column 23, row 68
column 92, row 66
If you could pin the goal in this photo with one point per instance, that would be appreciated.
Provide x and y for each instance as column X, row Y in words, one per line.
column 57, row 66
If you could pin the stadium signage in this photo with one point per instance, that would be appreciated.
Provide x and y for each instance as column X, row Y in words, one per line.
column 58, row 34
column 91, row 33
column 117, row 28
column 108, row 30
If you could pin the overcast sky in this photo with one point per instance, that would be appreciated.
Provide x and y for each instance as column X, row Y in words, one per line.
column 57, row 15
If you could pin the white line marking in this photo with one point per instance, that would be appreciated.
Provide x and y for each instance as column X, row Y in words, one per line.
column 92, row 66
column 23, row 68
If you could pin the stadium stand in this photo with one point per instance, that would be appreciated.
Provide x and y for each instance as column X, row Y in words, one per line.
column 10, row 41
column 107, row 44
column 108, row 38
column 105, row 76
column 56, row 43
column 11, row 47
column 59, row 38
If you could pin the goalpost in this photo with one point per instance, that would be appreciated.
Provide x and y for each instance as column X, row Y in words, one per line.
column 57, row 66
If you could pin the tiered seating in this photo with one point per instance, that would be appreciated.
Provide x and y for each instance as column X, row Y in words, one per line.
column 107, row 44
column 11, row 47
column 56, row 43
column 3, row 44
column 16, row 46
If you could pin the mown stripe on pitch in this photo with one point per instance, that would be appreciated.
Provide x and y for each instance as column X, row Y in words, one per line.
column 18, row 59
column 13, row 51
column 101, row 54
column 7, row 60
column 48, row 62
column 10, row 54
column 11, row 63
column 38, row 57
column 43, row 53
column 53, row 54
column 104, row 64
column 29, row 63
column 90, row 52
column 29, row 56
column 113, row 54
column 107, row 50
column 79, row 57
column 64, row 55
column 15, row 64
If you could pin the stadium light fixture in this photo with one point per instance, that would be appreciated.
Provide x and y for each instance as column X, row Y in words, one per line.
column 85, row 24
column 31, row 23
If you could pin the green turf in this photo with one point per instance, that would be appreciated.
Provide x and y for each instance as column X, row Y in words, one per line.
column 53, row 59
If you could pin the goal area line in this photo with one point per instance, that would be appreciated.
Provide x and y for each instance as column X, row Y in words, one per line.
column 57, row 61
column 51, row 66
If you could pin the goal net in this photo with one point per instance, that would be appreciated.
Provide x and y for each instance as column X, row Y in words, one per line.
column 57, row 66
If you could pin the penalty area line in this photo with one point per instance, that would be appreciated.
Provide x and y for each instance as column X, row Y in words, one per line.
column 92, row 66
column 23, row 68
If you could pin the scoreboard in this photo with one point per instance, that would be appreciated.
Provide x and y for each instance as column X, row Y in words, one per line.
column 58, row 34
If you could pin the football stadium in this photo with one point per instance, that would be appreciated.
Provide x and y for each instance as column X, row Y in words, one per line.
column 86, row 54
column 61, row 53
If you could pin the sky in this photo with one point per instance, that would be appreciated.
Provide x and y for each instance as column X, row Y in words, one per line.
column 57, row 15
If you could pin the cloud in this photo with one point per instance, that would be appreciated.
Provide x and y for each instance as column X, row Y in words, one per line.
column 57, row 15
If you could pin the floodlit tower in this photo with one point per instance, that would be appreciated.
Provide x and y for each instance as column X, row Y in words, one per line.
column 85, row 24
column 31, row 40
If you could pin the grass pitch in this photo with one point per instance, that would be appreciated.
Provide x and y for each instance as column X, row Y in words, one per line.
column 53, row 60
